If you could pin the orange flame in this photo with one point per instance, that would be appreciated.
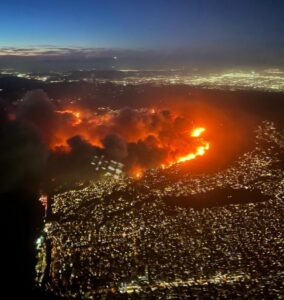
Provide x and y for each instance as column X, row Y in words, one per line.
column 138, row 175
column 197, row 131
column 75, row 114
column 200, row 150
column 93, row 126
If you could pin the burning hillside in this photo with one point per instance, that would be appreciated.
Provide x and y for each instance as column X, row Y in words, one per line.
column 139, row 138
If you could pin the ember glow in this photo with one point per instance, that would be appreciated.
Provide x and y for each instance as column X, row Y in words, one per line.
column 197, row 131
column 138, row 174
column 74, row 114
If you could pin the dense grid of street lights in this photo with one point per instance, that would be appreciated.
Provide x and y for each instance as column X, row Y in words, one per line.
column 120, row 237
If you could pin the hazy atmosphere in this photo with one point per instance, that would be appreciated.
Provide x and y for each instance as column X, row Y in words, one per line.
column 142, row 149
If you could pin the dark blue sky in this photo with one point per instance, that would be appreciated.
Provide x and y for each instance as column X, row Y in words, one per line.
column 194, row 26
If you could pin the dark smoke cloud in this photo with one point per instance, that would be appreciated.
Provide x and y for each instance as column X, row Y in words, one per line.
column 127, row 123
column 38, row 109
column 75, row 164
column 23, row 156
column 132, row 124
column 3, row 114
column 134, row 136
column 139, row 138
column 22, row 166
column 145, row 154
column 23, row 142
column 115, row 147
column 81, row 152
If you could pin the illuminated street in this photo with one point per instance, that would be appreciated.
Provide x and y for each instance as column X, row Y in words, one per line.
column 121, row 236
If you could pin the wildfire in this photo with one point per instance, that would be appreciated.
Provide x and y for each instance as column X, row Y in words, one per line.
column 138, row 175
column 200, row 150
column 197, row 131
column 76, row 115
column 138, row 136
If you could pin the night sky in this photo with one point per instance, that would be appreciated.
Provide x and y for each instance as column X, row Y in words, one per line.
column 210, row 30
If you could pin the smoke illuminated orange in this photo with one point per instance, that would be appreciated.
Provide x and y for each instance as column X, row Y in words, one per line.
column 75, row 114
column 156, row 130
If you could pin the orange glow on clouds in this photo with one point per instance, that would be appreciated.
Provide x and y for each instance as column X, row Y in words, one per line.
column 75, row 114
column 152, row 127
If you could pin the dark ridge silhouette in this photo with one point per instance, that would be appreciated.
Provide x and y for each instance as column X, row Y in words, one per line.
column 13, row 83
column 215, row 198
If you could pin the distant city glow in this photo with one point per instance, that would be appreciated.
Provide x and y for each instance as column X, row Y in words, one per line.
column 271, row 79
